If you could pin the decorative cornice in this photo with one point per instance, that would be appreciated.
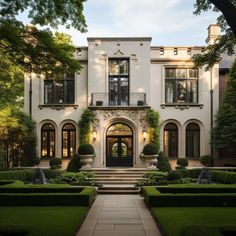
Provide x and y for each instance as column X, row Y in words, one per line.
column 58, row 106
column 181, row 107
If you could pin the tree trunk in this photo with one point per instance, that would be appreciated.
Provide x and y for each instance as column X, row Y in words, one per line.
column 229, row 12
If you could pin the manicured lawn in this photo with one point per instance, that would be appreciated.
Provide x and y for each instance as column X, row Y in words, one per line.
column 172, row 220
column 44, row 221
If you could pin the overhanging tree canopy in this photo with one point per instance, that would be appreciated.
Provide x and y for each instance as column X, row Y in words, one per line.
column 227, row 21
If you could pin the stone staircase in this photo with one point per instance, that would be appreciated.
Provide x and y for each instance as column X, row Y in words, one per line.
column 118, row 180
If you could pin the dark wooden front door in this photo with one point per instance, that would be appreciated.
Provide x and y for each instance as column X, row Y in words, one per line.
column 119, row 151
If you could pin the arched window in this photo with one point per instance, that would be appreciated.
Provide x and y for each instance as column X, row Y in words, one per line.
column 171, row 140
column 192, row 140
column 48, row 141
column 68, row 140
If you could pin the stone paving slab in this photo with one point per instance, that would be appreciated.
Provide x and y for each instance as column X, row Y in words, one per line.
column 119, row 215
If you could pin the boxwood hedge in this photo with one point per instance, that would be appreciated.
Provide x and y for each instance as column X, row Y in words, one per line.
column 154, row 197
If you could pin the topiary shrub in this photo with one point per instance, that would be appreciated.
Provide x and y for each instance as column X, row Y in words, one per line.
column 163, row 162
column 86, row 149
column 74, row 164
column 182, row 162
column 55, row 163
column 150, row 149
column 206, row 160
column 174, row 175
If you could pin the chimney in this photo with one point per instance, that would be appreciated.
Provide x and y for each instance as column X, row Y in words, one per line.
column 213, row 33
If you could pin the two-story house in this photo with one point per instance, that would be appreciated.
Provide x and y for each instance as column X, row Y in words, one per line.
column 121, row 77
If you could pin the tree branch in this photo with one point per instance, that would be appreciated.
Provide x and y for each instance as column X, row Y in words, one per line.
column 228, row 10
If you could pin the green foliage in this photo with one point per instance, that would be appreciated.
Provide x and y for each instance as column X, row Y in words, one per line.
column 196, row 217
column 82, row 178
column 85, row 123
column 11, row 83
column 74, row 164
column 224, row 132
column 153, row 179
column 150, row 149
column 47, row 12
column 225, row 43
column 38, row 50
column 51, row 173
column 24, row 175
column 86, row 149
column 38, row 221
column 163, row 162
column 84, row 198
column 154, row 198
column 18, row 138
column 55, row 163
column 224, row 177
column 190, row 173
column 152, row 118
column 182, row 162
column 174, row 175
column 206, row 160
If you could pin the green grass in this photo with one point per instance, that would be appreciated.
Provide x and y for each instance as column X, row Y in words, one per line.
column 46, row 221
column 173, row 220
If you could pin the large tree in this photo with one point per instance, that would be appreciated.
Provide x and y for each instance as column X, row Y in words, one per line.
column 37, row 50
column 224, row 133
column 227, row 21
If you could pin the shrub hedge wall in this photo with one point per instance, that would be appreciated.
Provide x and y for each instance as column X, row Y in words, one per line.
column 27, row 175
column 225, row 177
column 62, row 198
column 154, row 198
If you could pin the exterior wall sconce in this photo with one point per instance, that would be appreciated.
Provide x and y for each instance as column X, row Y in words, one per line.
column 94, row 134
column 144, row 135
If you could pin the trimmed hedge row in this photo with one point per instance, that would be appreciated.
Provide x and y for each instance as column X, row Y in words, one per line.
column 16, row 230
column 27, row 175
column 4, row 182
column 154, row 198
column 24, row 175
column 197, row 189
column 84, row 198
column 225, row 177
column 208, row 231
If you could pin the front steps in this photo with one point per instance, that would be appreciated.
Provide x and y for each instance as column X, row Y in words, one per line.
column 118, row 180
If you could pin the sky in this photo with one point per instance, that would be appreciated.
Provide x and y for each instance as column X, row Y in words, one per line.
column 168, row 22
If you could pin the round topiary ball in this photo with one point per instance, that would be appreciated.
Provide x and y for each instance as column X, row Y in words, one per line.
column 86, row 149
column 183, row 162
column 150, row 149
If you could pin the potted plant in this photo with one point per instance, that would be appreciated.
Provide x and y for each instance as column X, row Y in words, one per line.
column 150, row 154
column 86, row 154
column 181, row 163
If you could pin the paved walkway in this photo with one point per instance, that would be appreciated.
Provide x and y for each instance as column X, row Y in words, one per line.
column 119, row 215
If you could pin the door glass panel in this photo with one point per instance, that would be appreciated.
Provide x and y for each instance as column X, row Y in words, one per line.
column 119, row 129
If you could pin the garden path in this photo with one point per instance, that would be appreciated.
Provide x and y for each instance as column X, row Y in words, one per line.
column 119, row 215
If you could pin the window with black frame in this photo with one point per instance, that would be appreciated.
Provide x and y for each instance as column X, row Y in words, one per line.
column 118, row 82
column 60, row 91
column 192, row 141
column 68, row 140
column 181, row 85
column 48, row 140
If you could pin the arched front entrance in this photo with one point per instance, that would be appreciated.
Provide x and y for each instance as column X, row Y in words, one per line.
column 119, row 146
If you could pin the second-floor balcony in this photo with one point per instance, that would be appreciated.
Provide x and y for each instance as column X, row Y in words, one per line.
column 118, row 100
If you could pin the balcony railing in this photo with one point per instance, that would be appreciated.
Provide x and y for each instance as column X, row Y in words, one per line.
column 118, row 100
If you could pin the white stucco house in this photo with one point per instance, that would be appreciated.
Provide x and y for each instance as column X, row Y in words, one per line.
column 121, row 77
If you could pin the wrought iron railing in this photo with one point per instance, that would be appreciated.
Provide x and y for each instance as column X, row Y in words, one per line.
column 118, row 99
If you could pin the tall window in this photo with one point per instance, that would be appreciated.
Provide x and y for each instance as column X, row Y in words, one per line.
column 192, row 140
column 60, row 91
column 171, row 140
column 181, row 85
column 68, row 140
column 48, row 141
column 118, row 82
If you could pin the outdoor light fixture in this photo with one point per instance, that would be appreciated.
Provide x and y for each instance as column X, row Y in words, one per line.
column 94, row 134
column 144, row 135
